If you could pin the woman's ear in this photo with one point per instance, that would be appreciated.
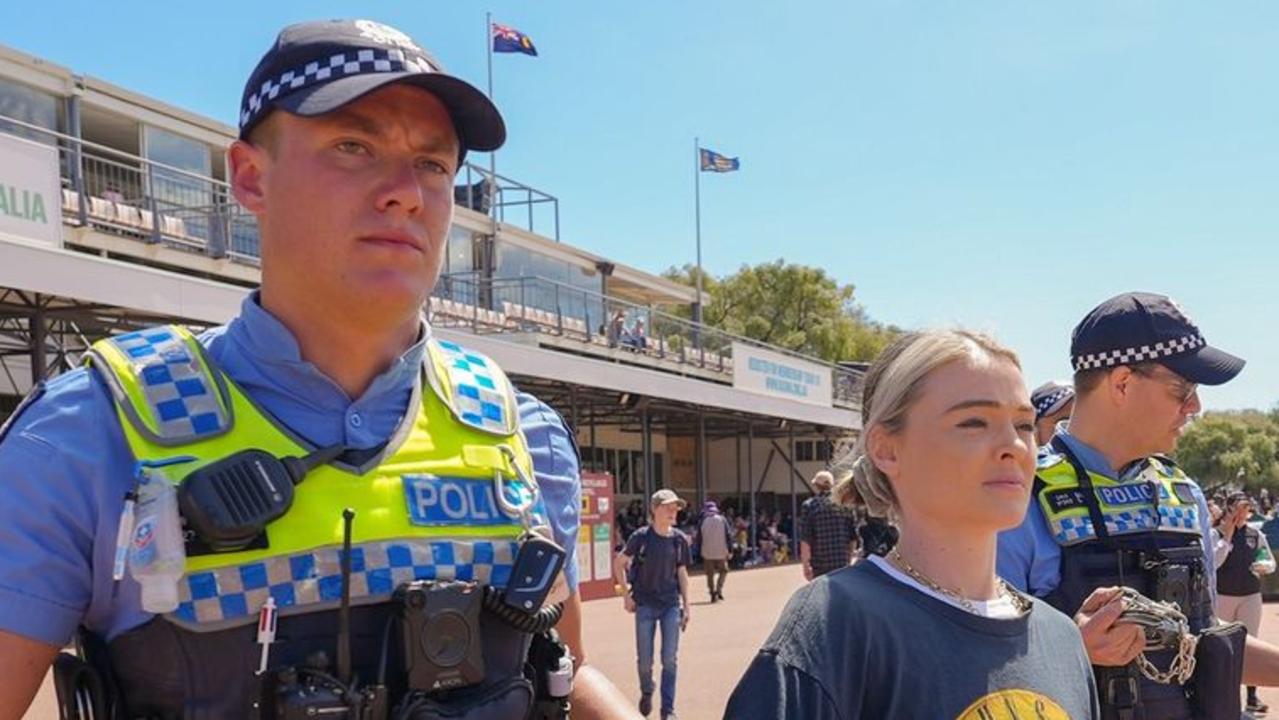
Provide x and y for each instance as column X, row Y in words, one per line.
column 881, row 449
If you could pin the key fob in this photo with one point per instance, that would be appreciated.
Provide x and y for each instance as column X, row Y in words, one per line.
column 537, row 563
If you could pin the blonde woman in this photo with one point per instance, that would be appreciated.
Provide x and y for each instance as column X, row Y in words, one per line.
column 947, row 452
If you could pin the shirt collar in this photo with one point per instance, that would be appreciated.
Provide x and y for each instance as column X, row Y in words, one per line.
column 1092, row 459
column 266, row 341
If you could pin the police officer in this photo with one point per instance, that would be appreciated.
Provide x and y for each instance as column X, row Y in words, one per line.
column 350, row 137
column 1109, row 509
column 1053, row 402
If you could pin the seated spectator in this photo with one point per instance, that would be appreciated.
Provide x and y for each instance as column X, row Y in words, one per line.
column 638, row 339
column 616, row 329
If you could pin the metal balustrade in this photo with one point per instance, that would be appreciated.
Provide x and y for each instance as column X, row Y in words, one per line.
column 605, row 326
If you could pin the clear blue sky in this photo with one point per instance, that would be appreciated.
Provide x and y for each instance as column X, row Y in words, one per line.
column 1001, row 165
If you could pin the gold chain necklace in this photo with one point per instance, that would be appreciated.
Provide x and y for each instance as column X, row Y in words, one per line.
column 1022, row 604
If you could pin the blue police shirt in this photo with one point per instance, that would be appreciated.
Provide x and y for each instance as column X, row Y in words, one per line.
column 65, row 466
column 1030, row 560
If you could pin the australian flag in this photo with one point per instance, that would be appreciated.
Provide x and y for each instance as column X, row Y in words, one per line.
column 714, row 162
column 510, row 40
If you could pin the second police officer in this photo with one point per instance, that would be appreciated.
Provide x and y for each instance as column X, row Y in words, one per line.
column 1109, row 509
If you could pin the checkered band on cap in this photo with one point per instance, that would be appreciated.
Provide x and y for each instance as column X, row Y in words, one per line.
column 479, row 393
column 236, row 593
column 360, row 61
column 1143, row 353
column 179, row 392
column 1046, row 403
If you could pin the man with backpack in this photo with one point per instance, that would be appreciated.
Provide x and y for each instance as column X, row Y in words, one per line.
column 652, row 574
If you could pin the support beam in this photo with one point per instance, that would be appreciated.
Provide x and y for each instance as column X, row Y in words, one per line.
column 702, row 486
column 794, row 471
column 750, row 473
column 594, row 447
column 38, row 361
column 647, row 445
column 738, row 462
column 767, row 466
column 794, row 501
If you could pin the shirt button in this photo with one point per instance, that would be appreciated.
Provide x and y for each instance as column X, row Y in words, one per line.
column 356, row 420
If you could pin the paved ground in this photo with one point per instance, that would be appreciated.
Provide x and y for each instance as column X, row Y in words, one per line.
column 719, row 643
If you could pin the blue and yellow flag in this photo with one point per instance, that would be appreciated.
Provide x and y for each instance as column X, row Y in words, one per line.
column 714, row 162
column 510, row 40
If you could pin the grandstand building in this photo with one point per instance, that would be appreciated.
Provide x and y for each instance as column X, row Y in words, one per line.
column 115, row 214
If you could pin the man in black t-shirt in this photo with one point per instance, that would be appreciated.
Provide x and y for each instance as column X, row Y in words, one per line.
column 653, row 572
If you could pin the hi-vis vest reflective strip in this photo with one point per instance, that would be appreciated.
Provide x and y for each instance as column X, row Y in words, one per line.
column 426, row 510
column 1127, row 507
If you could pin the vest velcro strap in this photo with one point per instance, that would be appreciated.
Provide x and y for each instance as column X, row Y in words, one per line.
column 224, row 597
column 163, row 384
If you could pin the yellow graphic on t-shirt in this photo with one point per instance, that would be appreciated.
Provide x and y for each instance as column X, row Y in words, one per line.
column 1014, row 705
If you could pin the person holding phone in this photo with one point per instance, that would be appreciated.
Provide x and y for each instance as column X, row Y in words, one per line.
column 1246, row 558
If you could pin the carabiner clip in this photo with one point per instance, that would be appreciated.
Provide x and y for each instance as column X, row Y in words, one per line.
column 523, row 511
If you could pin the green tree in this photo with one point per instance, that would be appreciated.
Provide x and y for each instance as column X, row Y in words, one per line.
column 1232, row 448
column 796, row 307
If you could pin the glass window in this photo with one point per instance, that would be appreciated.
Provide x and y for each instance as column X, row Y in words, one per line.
column 461, row 252
column 32, row 106
column 637, row 467
column 175, row 188
column 803, row 451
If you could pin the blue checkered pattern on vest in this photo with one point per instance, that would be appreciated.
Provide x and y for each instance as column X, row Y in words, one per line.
column 1071, row 530
column 478, row 398
column 377, row 568
column 1185, row 517
column 1118, row 523
column 178, row 390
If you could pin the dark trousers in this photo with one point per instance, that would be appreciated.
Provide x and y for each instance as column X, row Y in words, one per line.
column 716, row 571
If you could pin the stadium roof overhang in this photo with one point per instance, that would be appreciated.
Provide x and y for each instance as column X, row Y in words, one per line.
column 609, row 392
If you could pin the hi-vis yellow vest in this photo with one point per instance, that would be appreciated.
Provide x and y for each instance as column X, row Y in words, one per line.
column 426, row 509
column 1157, row 498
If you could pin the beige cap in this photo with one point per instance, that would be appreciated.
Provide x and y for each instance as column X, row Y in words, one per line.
column 665, row 496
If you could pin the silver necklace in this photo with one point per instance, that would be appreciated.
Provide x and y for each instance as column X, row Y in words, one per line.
column 1019, row 602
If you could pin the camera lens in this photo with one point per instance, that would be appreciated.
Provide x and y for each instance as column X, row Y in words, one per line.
column 446, row 638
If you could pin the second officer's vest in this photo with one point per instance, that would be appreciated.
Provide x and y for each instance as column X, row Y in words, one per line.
column 426, row 506
column 1119, row 532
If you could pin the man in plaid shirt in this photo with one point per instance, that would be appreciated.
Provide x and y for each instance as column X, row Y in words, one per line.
column 829, row 531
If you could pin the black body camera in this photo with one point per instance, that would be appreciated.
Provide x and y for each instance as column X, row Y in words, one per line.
column 1175, row 575
column 440, row 634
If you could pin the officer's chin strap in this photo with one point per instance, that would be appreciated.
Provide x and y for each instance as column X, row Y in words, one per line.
column 1163, row 624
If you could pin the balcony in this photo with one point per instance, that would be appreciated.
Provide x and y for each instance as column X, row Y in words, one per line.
column 582, row 322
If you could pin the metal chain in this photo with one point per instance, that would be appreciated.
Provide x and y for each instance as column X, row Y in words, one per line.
column 1022, row 604
column 1160, row 621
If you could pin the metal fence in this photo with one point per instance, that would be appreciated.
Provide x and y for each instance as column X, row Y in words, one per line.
column 534, row 304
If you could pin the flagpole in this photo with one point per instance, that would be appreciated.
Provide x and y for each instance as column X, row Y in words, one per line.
column 697, row 204
column 488, row 45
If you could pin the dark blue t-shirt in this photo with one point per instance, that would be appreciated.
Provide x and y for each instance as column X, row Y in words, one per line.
column 655, row 563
